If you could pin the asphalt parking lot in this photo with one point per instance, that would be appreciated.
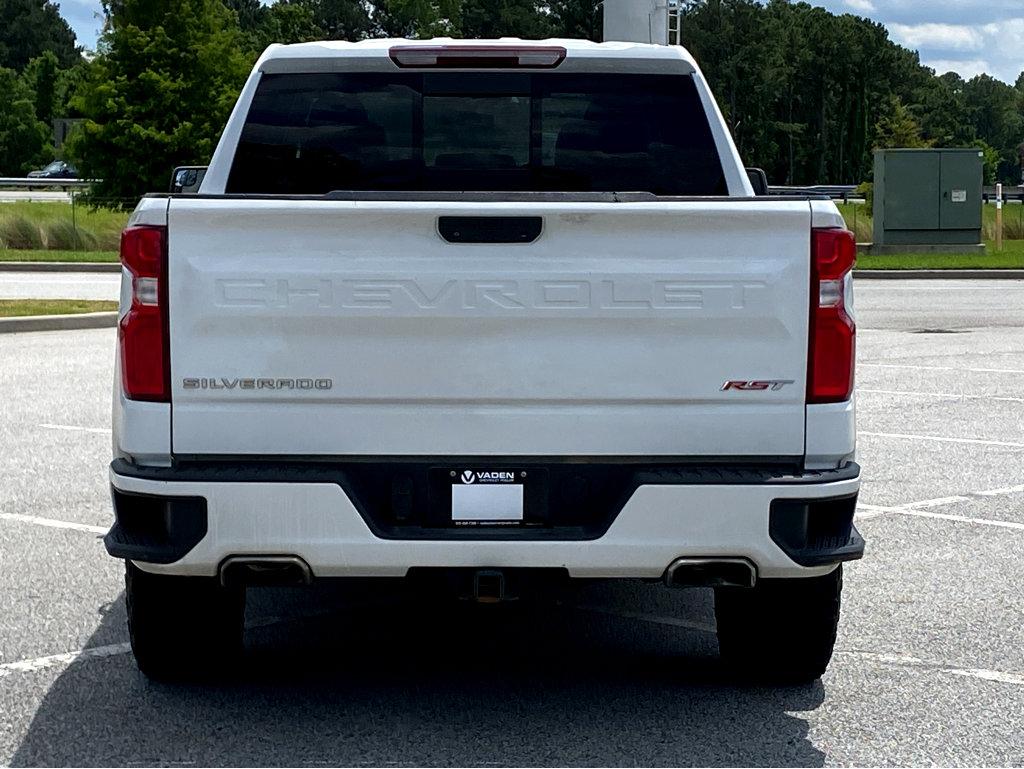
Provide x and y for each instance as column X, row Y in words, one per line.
column 930, row 660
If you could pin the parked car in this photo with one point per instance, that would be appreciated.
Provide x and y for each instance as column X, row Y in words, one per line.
column 58, row 169
column 496, row 315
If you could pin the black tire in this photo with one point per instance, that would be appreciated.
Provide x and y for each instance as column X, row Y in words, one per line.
column 782, row 630
column 183, row 628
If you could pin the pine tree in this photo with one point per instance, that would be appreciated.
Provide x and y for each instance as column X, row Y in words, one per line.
column 29, row 27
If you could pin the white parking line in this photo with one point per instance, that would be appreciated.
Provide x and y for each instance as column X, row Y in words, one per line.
column 942, row 368
column 943, row 439
column 867, row 511
column 915, row 662
column 112, row 650
column 1000, row 492
column 937, row 502
column 958, row 396
column 74, row 428
column 55, row 660
column 961, row 519
column 54, row 524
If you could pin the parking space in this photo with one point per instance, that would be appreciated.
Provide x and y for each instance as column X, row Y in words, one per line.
column 930, row 660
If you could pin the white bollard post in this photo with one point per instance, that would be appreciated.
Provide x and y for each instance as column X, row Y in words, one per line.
column 999, row 217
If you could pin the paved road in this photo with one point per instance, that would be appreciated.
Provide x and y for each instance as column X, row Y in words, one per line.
column 59, row 285
column 939, row 306
column 930, row 667
column 50, row 196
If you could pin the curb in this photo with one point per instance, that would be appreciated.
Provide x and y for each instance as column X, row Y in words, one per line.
column 60, row 267
column 58, row 322
column 939, row 274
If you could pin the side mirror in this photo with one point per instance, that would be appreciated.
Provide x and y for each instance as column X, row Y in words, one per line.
column 758, row 180
column 187, row 178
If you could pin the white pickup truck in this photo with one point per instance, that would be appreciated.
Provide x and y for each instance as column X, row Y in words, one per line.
column 506, row 313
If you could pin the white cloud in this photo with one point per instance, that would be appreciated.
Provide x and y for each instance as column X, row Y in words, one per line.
column 965, row 68
column 948, row 37
column 964, row 36
column 864, row 6
column 996, row 48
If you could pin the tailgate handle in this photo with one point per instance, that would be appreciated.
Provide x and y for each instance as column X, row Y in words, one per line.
column 489, row 229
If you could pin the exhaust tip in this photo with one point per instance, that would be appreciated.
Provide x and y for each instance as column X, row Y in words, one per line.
column 711, row 572
column 265, row 571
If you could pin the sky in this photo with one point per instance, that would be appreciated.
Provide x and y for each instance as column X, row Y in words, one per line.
column 964, row 36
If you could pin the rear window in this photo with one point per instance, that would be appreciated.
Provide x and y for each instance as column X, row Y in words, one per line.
column 479, row 131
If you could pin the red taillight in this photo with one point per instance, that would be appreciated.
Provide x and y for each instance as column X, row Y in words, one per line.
column 145, row 358
column 478, row 56
column 832, row 331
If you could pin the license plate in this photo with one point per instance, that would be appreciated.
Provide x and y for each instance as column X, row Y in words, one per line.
column 487, row 497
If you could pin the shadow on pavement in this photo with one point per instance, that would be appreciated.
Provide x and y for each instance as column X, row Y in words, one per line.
column 336, row 676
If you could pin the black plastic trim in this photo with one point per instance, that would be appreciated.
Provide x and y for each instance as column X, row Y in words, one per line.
column 490, row 229
column 816, row 532
column 665, row 471
column 154, row 528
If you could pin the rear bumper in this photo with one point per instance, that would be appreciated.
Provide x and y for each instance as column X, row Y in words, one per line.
column 199, row 519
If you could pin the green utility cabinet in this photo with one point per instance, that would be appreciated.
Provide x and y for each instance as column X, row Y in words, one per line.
column 927, row 200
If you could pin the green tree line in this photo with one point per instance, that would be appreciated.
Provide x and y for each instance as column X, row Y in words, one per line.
column 808, row 94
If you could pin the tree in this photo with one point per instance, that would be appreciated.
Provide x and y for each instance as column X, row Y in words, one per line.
column 994, row 112
column 251, row 13
column 505, row 18
column 807, row 94
column 30, row 27
column 157, row 95
column 417, row 18
column 577, row 18
column 338, row 19
column 990, row 162
column 69, row 83
column 24, row 141
column 943, row 113
column 288, row 23
column 41, row 76
column 898, row 128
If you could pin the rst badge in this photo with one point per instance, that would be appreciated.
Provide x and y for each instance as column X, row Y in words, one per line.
column 757, row 385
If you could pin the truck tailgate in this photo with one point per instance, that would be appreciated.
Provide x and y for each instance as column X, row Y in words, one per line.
column 333, row 327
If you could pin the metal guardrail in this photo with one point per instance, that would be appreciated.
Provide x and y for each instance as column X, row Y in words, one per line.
column 843, row 192
column 18, row 182
column 846, row 192
column 832, row 190
column 988, row 194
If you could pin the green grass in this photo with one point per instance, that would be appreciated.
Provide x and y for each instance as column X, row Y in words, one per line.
column 1011, row 257
column 858, row 219
column 33, row 225
column 16, row 308
column 39, row 255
